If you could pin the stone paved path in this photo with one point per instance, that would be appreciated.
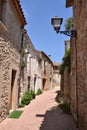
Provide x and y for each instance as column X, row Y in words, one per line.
column 41, row 114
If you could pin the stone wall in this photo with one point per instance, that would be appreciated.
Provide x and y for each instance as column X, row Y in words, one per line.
column 47, row 72
column 10, row 41
column 81, row 45
column 31, row 73
column 4, row 75
column 9, row 60
column 67, row 89
column 13, row 26
column 79, row 64
column 73, row 75
column 62, row 83
column 56, row 75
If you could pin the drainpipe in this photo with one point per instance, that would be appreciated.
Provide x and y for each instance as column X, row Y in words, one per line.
column 22, row 38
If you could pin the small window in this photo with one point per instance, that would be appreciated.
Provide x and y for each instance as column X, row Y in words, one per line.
column 2, row 9
column 28, row 83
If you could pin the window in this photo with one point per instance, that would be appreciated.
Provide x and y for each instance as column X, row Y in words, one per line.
column 2, row 9
column 28, row 83
column 44, row 67
column 55, row 68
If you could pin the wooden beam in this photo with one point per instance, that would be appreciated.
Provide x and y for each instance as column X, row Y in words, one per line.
column 69, row 3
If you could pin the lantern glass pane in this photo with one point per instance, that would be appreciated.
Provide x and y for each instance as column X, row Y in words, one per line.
column 57, row 22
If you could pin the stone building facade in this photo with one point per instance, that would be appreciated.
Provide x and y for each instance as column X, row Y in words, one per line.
column 22, row 67
column 11, row 22
column 65, row 79
column 38, row 70
column 46, row 71
column 31, row 78
column 79, row 63
column 56, row 75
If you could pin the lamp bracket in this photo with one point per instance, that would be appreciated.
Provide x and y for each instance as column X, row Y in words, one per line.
column 71, row 33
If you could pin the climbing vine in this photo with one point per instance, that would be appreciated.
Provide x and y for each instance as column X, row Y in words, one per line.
column 66, row 62
column 69, row 23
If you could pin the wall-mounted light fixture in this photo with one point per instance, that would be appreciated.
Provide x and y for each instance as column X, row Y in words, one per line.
column 56, row 22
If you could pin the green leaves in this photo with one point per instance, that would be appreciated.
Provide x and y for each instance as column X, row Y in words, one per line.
column 66, row 59
column 15, row 114
column 69, row 23
column 66, row 62
column 39, row 91
column 27, row 97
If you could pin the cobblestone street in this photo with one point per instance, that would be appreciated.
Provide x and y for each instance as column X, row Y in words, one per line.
column 41, row 114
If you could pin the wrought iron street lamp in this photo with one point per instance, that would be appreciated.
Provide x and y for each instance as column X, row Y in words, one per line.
column 56, row 22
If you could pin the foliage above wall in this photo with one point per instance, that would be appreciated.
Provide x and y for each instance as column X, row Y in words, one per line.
column 69, row 23
column 66, row 62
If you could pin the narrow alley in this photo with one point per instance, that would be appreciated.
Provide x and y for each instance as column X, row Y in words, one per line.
column 41, row 114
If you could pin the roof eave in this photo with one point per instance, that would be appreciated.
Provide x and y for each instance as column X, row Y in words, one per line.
column 19, row 13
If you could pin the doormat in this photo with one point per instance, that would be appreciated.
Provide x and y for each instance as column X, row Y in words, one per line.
column 15, row 114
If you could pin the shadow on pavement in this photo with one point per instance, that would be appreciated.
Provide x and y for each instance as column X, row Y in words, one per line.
column 56, row 119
